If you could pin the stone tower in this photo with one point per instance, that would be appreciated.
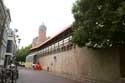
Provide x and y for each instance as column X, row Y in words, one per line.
column 35, row 42
column 42, row 34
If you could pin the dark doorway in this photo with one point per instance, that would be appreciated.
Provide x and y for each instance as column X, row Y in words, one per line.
column 7, row 60
column 35, row 59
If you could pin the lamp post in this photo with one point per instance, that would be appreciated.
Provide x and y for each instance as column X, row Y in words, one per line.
column 19, row 42
column 17, row 38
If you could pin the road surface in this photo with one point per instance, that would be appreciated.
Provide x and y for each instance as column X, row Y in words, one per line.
column 31, row 76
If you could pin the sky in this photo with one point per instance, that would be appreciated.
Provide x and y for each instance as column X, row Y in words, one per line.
column 28, row 15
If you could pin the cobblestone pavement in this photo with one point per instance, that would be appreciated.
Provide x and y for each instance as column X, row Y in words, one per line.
column 31, row 76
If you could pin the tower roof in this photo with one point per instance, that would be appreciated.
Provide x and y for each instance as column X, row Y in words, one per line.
column 42, row 27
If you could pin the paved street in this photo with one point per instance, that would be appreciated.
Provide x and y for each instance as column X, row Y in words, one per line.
column 31, row 76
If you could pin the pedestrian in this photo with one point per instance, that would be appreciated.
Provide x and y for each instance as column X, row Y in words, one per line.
column 47, row 68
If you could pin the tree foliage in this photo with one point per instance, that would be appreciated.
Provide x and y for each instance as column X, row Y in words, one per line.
column 22, row 53
column 99, row 23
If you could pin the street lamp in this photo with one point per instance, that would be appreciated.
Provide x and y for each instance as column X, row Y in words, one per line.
column 17, row 38
column 19, row 42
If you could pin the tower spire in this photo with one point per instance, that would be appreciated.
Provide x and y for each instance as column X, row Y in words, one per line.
column 42, row 27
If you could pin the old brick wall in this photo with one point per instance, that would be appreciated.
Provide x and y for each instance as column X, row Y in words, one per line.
column 84, row 64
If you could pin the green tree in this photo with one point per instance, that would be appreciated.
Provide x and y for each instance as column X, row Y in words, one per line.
column 22, row 53
column 99, row 23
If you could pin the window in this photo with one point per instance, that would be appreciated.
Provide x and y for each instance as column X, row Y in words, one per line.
column 61, row 44
column 9, row 46
column 53, row 47
column 66, row 41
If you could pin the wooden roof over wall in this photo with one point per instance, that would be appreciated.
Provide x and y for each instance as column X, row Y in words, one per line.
column 51, row 40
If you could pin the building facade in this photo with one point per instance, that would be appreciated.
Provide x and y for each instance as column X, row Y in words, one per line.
column 4, row 25
column 37, row 41
column 34, row 43
column 11, row 47
column 41, row 36
column 60, row 56
column 7, row 36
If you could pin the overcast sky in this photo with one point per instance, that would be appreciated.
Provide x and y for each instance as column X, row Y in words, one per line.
column 28, row 15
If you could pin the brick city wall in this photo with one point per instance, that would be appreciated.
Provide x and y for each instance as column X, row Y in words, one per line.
column 85, row 64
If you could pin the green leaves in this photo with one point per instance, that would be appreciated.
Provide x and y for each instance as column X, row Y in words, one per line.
column 99, row 23
column 22, row 53
column 80, row 34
